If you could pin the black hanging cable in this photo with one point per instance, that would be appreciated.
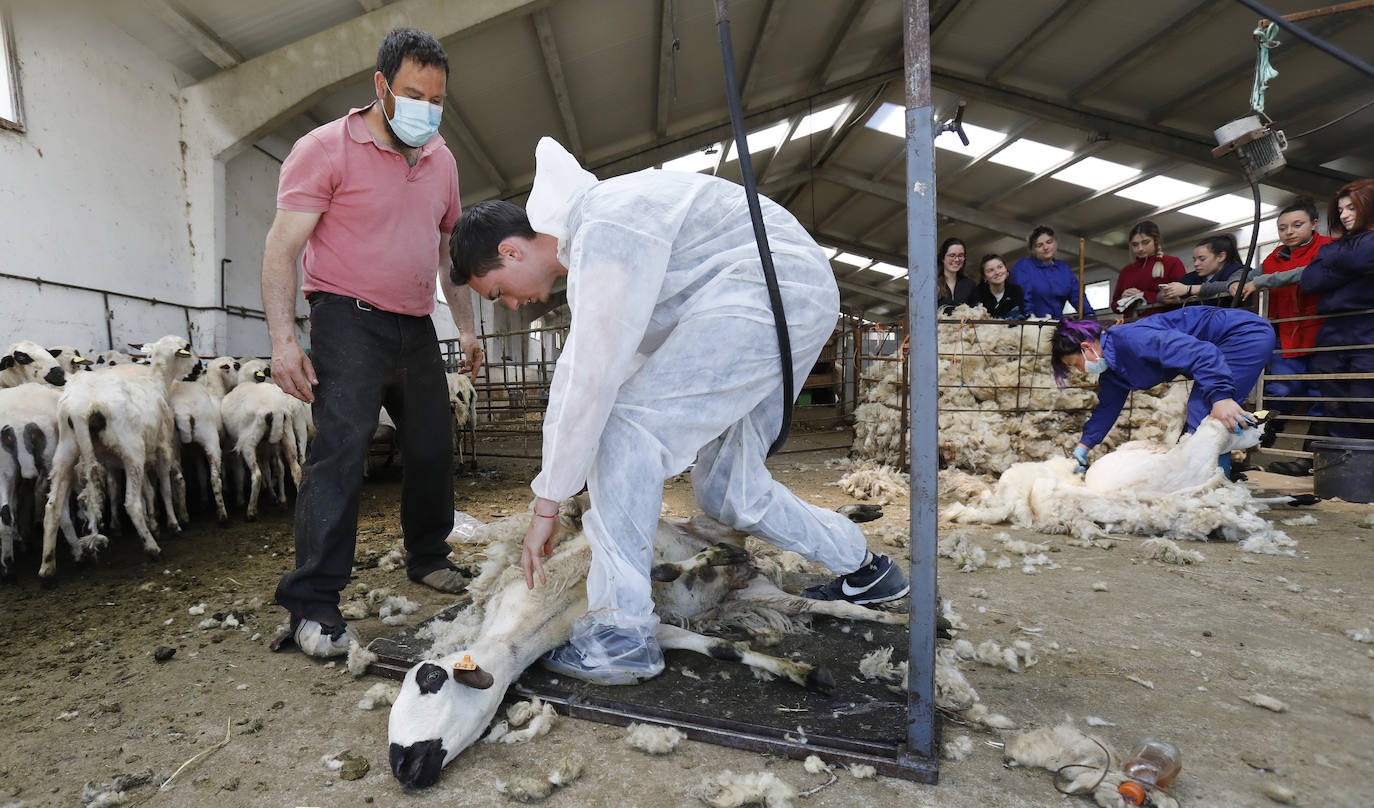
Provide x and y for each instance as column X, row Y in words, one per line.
column 1254, row 241
column 751, row 193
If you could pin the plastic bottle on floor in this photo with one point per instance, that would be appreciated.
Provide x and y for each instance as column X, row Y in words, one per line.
column 1153, row 765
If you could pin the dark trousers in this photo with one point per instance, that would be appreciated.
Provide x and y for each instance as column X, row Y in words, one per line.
column 1357, row 330
column 365, row 360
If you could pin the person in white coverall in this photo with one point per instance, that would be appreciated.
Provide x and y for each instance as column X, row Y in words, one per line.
column 671, row 356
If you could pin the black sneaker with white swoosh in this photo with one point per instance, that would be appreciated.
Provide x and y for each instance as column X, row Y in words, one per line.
column 879, row 581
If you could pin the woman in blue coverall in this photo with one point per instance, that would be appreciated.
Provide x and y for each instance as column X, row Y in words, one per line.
column 1221, row 350
column 1047, row 282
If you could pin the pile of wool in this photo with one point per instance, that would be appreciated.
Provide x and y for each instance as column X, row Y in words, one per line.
column 998, row 401
column 953, row 692
column 525, row 720
column 381, row 694
column 962, row 550
column 729, row 790
column 534, row 789
column 1048, row 497
column 1164, row 550
column 867, row 479
column 653, row 739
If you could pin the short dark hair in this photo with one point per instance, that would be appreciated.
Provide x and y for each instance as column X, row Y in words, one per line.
column 1068, row 340
column 409, row 43
column 1041, row 230
column 1303, row 204
column 982, row 265
column 1222, row 244
column 479, row 232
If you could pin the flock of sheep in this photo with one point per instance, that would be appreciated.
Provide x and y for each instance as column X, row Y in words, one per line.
column 81, row 437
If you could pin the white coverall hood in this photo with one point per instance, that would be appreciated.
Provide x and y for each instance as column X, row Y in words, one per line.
column 559, row 181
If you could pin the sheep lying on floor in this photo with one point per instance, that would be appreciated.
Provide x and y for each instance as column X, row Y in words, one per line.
column 1141, row 488
column 701, row 569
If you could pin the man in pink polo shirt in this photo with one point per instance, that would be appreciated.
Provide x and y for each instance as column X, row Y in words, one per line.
column 371, row 198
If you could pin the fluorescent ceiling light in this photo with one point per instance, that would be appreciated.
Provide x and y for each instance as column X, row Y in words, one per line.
column 1161, row 191
column 1226, row 208
column 1030, row 155
column 1095, row 173
column 890, row 270
column 761, row 140
column 818, row 121
column 852, row 259
column 891, row 118
column 693, row 161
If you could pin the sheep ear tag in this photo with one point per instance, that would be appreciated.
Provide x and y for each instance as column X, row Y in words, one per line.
column 1261, row 416
column 467, row 672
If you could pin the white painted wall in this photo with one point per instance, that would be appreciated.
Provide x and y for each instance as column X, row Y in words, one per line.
column 92, row 192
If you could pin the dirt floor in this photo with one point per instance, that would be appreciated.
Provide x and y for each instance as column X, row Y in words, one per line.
column 83, row 699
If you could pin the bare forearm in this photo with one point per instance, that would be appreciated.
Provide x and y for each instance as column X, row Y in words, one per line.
column 460, row 306
column 279, row 296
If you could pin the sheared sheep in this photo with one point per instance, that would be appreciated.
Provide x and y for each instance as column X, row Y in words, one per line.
column 446, row 703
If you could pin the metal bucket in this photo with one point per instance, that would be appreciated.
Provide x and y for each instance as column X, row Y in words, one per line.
column 1344, row 470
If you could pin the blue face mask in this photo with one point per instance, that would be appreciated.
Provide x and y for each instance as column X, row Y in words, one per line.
column 1095, row 366
column 415, row 122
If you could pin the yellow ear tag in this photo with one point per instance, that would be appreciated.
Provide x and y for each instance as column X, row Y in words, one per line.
column 466, row 664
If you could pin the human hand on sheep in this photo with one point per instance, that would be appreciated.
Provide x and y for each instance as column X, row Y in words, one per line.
column 1080, row 453
column 472, row 355
column 293, row 371
column 539, row 540
column 1232, row 414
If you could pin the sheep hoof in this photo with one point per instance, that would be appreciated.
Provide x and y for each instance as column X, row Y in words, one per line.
column 820, row 680
column 48, row 581
column 252, row 517
column 155, row 555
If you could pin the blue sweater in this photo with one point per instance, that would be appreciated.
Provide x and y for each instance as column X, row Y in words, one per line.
column 1048, row 287
column 1343, row 274
column 1158, row 348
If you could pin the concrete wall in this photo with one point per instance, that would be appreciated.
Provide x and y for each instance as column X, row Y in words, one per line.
column 93, row 191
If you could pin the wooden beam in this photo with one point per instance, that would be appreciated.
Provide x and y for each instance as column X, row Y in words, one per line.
column 197, row 33
column 454, row 118
column 666, row 49
column 1199, row 15
column 1038, row 36
column 543, row 28
column 772, row 17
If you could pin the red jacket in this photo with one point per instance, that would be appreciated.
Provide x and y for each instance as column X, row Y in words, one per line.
column 1299, row 338
column 1140, row 275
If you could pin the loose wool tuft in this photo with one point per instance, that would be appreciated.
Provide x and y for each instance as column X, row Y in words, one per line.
column 359, row 657
column 652, row 739
column 861, row 771
column 867, row 479
column 958, row 748
column 1360, row 634
column 1170, row 553
column 1267, row 702
column 877, row 664
column 730, row 790
column 1305, row 519
column 814, row 765
column 382, row 694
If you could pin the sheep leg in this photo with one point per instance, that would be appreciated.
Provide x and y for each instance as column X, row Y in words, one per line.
column 216, row 465
column 250, row 458
column 802, row 673
column 9, row 520
column 717, row 555
column 276, row 476
column 761, row 590
column 64, row 462
column 169, row 481
column 112, row 498
column 135, row 481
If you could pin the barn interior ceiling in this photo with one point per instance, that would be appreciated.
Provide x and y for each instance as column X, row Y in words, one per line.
column 1087, row 116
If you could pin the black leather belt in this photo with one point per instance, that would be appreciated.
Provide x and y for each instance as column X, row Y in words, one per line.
column 361, row 305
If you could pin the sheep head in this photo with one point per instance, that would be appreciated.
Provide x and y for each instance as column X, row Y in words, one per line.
column 444, row 706
column 27, row 361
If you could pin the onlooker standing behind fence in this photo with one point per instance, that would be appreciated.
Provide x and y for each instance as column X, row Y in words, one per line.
column 1342, row 272
column 1001, row 299
column 1215, row 260
column 1048, row 283
column 1150, row 269
column 952, row 286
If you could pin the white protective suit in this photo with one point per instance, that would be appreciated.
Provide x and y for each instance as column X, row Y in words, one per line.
column 672, row 355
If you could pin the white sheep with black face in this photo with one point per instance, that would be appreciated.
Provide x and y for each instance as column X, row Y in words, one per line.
column 26, row 361
column 447, row 703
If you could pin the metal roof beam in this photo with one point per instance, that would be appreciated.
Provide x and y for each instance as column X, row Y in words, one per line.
column 853, row 15
column 197, row 33
column 1210, row 193
column 772, row 17
column 1145, row 174
column 1078, row 156
column 868, row 291
column 543, row 29
column 1040, row 34
column 1200, row 14
column 1012, row 136
column 665, row 70
column 777, row 150
column 1297, row 178
column 454, row 118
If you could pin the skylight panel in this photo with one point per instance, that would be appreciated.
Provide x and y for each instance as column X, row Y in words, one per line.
column 1269, row 231
column 852, row 259
column 890, row 270
column 891, row 118
column 1161, row 191
column 1099, row 295
column 694, row 161
column 818, row 121
column 761, row 140
column 1095, row 173
column 1030, row 155
column 829, row 251
column 1227, row 208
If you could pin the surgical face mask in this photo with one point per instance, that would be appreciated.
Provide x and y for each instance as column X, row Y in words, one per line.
column 415, row 122
column 1094, row 366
